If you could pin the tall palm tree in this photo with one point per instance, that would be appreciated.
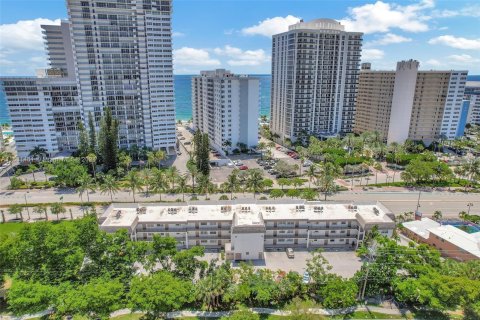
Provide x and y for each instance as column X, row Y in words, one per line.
column 311, row 174
column 193, row 170
column 172, row 175
column 146, row 175
column 326, row 178
column 31, row 169
column 232, row 182
column 134, row 182
column 378, row 167
column 92, row 159
column 86, row 184
column 38, row 152
column 159, row 182
column 109, row 185
column 255, row 181
column 182, row 184
column 204, row 184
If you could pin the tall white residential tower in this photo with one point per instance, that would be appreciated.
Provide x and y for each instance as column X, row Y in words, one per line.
column 123, row 60
column 226, row 106
column 315, row 67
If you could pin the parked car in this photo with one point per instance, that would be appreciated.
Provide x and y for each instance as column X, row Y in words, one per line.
column 182, row 138
column 243, row 168
column 290, row 253
column 187, row 142
column 239, row 163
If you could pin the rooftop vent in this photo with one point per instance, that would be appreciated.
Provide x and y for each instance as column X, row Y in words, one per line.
column 270, row 209
column 376, row 211
column 300, row 208
column 352, row 207
column 141, row 210
column 318, row 209
column 192, row 209
column 172, row 211
column 118, row 214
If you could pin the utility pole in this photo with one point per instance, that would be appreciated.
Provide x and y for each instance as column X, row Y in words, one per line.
column 418, row 200
column 371, row 257
column 469, row 206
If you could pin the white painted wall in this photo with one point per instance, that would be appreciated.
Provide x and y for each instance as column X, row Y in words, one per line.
column 402, row 101
column 250, row 245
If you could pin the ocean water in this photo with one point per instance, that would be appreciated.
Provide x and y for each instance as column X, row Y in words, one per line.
column 183, row 95
column 183, row 98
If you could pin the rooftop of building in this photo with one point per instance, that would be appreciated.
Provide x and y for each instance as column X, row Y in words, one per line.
column 318, row 24
column 469, row 242
column 420, row 227
column 221, row 73
column 246, row 212
column 412, row 64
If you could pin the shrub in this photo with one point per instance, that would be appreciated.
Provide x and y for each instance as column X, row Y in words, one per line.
column 223, row 197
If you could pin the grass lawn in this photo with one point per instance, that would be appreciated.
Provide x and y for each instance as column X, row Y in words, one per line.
column 10, row 227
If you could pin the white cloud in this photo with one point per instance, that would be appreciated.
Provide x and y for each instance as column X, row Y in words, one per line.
column 372, row 54
column 241, row 57
column 456, row 42
column 390, row 38
column 468, row 11
column 382, row 17
column 177, row 34
column 187, row 56
column 433, row 62
column 271, row 26
column 24, row 34
column 463, row 58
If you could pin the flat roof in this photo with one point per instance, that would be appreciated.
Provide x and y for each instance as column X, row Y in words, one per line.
column 247, row 212
column 420, row 227
column 459, row 238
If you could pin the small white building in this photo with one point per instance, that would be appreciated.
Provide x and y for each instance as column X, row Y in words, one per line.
column 226, row 107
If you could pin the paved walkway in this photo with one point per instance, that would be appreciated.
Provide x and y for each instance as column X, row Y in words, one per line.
column 218, row 314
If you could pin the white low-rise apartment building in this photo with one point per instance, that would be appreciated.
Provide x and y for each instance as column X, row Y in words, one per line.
column 226, row 107
column 247, row 228
column 409, row 103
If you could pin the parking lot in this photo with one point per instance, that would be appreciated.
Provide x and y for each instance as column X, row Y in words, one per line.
column 344, row 263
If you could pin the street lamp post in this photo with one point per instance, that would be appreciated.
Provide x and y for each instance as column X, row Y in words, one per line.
column 469, row 206
column 418, row 200
column 26, row 204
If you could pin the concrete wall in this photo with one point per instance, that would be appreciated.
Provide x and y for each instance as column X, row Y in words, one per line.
column 402, row 101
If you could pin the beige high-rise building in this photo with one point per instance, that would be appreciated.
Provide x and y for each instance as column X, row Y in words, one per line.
column 410, row 104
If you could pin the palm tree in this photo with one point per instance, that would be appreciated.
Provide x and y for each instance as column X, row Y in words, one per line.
column 326, row 178
column 182, row 184
column 255, row 181
column 172, row 175
column 193, row 170
column 16, row 209
column 378, row 167
column 462, row 215
column 125, row 161
column 204, row 184
column 39, row 209
column 437, row 215
column 311, row 174
column 86, row 184
column 57, row 208
column 38, row 152
column 261, row 147
column 232, row 182
column 134, row 182
column 92, row 159
column 31, row 169
column 159, row 182
column 146, row 175
column 155, row 157
column 109, row 185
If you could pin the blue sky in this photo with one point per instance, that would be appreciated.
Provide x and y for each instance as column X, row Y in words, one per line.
column 236, row 34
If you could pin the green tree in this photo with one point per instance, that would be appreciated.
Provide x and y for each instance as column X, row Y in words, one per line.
column 108, row 137
column 437, row 215
column 232, row 182
column 57, row 208
column 276, row 193
column 31, row 169
column 109, row 185
column 134, row 182
column 86, row 184
column 293, row 193
column 92, row 134
column 192, row 169
column 16, row 209
column 339, row 293
column 283, row 182
column 182, row 184
column 38, row 153
column 172, row 176
column 159, row 183
column 29, row 297
column 326, row 178
column 158, row 293
column 41, row 209
column 255, row 181
column 83, row 144
column 92, row 159
column 67, row 171
column 311, row 174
